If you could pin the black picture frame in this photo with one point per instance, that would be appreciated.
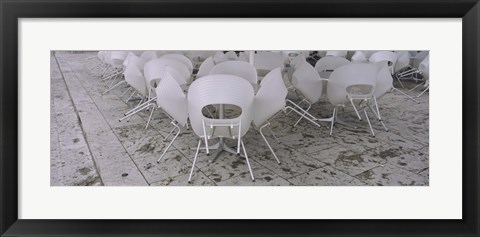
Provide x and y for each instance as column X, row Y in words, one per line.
column 11, row 11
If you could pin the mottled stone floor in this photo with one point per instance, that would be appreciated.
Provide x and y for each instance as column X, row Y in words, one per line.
column 89, row 146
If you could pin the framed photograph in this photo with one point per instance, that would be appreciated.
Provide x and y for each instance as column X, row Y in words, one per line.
column 239, row 118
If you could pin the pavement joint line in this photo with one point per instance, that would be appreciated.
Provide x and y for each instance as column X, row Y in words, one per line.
column 79, row 120
column 111, row 129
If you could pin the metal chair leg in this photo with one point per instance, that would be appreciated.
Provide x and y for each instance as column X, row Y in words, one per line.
column 428, row 87
column 273, row 134
column 268, row 144
column 306, row 110
column 333, row 119
column 309, row 118
column 355, row 108
column 248, row 162
column 195, row 160
column 125, row 92
column 239, row 138
column 368, row 120
column 205, row 137
column 170, row 133
column 150, row 117
column 403, row 93
column 171, row 142
column 113, row 87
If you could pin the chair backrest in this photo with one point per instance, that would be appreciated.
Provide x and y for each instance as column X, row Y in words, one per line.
column 205, row 67
column 359, row 57
column 326, row 65
column 242, row 56
column 155, row 70
column 219, row 57
column 338, row 53
column 298, row 60
column 231, row 55
column 268, row 61
column 220, row 89
column 369, row 53
column 134, row 77
column 384, row 79
column 357, row 79
column 403, row 60
column 134, row 59
column 129, row 55
column 419, row 57
column 425, row 67
column 181, row 58
column 307, row 80
column 321, row 53
column 171, row 99
column 238, row 68
column 270, row 98
column 388, row 56
column 117, row 58
column 149, row 55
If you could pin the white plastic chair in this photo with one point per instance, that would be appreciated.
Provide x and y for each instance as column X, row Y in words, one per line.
column 326, row 65
column 264, row 62
column 115, row 60
column 181, row 58
column 418, row 58
column 219, row 57
column 270, row 99
column 205, row 67
column 155, row 69
column 403, row 61
column 337, row 53
column 383, row 86
column 298, row 60
column 369, row 53
column 238, row 68
column 307, row 81
column 242, row 56
column 424, row 70
column 173, row 101
column 388, row 56
column 149, row 55
column 134, row 78
column 356, row 81
column 289, row 55
column 220, row 89
column 321, row 53
column 359, row 57
column 131, row 59
column 101, row 56
column 231, row 55
column 134, row 59
column 411, row 70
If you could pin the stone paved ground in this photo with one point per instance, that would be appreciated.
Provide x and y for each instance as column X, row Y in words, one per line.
column 89, row 146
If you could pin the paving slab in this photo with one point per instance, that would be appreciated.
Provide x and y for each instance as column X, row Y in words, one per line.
column 326, row 176
column 389, row 175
